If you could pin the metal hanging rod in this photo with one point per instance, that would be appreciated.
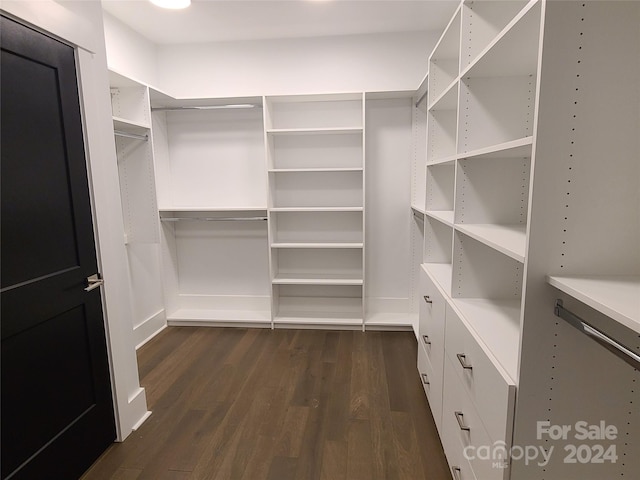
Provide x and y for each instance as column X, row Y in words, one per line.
column 207, row 107
column 418, row 216
column 424, row 95
column 212, row 219
column 603, row 339
column 119, row 133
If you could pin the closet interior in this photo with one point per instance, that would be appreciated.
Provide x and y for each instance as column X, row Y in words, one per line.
column 464, row 210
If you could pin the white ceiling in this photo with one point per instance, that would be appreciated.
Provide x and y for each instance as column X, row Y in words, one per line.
column 232, row 20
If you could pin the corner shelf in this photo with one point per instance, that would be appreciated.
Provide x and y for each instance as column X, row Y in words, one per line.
column 616, row 296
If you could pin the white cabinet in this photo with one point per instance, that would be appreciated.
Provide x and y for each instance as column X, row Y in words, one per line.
column 532, row 177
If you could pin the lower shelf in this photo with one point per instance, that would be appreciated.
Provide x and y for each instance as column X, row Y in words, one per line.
column 201, row 315
column 390, row 319
column 317, row 318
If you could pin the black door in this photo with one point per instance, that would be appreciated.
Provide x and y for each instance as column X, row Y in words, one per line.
column 57, row 409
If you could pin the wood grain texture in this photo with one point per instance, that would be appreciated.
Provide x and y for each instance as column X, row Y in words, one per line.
column 233, row 403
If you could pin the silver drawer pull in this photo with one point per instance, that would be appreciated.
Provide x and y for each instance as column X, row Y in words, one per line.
column 427, row 299
column 425, row 379
column 425, row 339
column 93, row 282
column 459, row 417
column 456, row 473
column 462, row 358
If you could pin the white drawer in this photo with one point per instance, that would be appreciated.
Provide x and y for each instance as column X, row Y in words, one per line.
column 459, row 467
column 431, row 322
column 465, row 433
column 492, row 392
column 432, row 385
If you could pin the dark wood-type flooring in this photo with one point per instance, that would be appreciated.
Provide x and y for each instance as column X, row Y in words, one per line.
column 235, row 403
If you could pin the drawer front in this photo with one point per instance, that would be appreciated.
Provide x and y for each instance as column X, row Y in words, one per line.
column 432, row 385
column 492, row 393
column 459, row 467
column 432, row 321
column 464, row 430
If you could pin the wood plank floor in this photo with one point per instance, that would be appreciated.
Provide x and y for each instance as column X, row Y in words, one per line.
column 234, row 403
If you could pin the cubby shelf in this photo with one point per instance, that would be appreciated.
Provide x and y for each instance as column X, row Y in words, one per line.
column 617, row 296
column 507, row 239
column 317, row 245
column 444, row 216
column 314, row 131
column 130, row 126
column 316, row 279
column 316, row 209
column 515, row 148
column 447, row 100
column 290, row 170
column 442, row 160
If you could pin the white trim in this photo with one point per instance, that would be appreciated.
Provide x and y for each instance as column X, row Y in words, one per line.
column 149, row 328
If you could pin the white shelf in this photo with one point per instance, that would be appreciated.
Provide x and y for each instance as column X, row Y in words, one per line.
column 317, row 245
column 617, row 296
column 316, row 318
column 507, row 239
column 444, row 216
column 316, row 209
column 212, row 210
column 443, row 160
column 497, row 324
column 382, row 319
column 314, row 131
column 130, row 126
column 441, row 274
column 418, row 209
column 316, row 279
column 198, row 315
column 290, row 170
column 515, row 148
column 447, row 100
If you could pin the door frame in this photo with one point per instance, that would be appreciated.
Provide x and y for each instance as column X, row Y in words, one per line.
column 79, row 24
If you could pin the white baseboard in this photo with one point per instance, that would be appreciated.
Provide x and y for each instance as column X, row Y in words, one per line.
column 148, row 329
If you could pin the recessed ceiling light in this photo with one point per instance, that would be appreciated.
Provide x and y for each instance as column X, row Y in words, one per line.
column 172, row 4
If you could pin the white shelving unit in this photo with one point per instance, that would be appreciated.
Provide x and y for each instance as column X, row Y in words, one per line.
column 134, row 149
column 211, row 179
column 315, row 164
column 532, row 190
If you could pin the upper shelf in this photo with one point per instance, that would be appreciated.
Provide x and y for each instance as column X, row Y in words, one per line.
column 616, row 296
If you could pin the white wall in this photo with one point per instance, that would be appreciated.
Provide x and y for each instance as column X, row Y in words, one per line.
column 80, row 23
column 129, row 53
column 375, row 62
column 352, row 63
